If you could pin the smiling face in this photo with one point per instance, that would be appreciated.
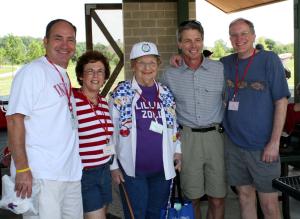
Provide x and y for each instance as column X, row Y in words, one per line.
column 145, row 69
column 242, row 39
column 60, row 45
column 93, row 77
column 191, row 44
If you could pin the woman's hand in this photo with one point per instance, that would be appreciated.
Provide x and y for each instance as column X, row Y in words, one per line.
column 117, row 176
column 177, row 161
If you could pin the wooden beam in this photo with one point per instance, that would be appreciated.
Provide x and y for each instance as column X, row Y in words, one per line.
column 88, row 26
column 231, row 6
column 296, row 48
column 182, row 11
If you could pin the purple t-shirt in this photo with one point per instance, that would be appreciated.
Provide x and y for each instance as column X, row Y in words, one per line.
column 149, row 143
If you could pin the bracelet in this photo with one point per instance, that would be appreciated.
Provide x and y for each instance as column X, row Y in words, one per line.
column 23, row 170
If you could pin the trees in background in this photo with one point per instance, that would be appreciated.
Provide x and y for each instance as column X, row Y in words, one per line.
column 35, row 49
column 15, row 50
column 220, row 48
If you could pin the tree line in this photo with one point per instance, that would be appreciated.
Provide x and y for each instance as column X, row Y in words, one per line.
column 17, row 50
column 220, row 48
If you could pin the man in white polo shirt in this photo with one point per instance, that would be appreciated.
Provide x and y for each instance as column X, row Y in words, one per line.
column 42, row 128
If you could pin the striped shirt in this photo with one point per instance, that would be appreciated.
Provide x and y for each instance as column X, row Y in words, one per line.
column 198, row 94
column 95, row 127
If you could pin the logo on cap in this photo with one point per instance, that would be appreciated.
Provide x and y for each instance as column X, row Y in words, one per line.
column 146, row 47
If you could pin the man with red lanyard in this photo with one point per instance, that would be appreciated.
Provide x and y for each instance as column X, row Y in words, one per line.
column 42, row 128
column 256, row 100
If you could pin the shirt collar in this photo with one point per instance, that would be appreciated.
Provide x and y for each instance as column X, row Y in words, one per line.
column 135, row 86
column 204, row 64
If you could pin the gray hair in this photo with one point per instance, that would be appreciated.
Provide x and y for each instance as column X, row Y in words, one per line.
column 243, row 20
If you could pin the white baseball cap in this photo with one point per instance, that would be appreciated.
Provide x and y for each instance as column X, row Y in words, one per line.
column 143, row 49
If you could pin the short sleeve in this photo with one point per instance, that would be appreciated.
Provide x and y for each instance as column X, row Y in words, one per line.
column 25, row 90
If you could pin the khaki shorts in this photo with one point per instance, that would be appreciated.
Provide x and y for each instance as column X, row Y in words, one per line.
column 203, row 168
column 245, row 167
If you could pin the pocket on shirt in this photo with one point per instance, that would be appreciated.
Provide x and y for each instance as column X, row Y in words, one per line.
column 213, row 96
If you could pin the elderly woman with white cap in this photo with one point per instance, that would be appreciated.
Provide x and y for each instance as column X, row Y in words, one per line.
column 147, row 145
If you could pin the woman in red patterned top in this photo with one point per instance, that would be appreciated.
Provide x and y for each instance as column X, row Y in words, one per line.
column 95, row 130
column 293, row 114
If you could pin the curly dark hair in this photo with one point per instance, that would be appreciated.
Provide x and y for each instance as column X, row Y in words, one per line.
column 91, row 56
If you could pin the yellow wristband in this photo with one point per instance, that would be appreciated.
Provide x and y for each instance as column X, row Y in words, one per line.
column 23, row 170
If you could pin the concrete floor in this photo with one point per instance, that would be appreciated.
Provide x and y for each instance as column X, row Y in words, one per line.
column 231, row 211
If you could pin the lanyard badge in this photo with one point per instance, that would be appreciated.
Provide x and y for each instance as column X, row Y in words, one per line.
column 68, row 93
column 234, row 104
column 156, row 127
column 104, row 125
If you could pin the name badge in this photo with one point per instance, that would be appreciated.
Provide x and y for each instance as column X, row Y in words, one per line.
column 109, row 150
column 233, row 105
column 156, row 127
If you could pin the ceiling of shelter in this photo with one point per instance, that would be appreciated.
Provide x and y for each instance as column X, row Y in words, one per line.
column 230, row 6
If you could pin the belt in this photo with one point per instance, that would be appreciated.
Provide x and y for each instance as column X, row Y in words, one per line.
column 206, row 129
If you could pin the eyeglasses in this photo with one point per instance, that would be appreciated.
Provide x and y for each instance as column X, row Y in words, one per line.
column 195, row 22
column 242, row 34
column 145, row 65
column 99, row 72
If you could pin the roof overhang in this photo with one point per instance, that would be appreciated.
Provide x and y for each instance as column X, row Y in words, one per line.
column 230, row 6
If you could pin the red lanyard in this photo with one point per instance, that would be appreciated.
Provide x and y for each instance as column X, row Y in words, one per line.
column 236, row 86
column 105, row 124
column 68, row 94
column 156, row 100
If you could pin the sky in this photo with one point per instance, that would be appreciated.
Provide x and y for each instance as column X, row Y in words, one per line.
column 274, row 21
column 30, row 17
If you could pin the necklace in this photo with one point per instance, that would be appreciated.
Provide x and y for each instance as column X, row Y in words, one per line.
column 104, row 125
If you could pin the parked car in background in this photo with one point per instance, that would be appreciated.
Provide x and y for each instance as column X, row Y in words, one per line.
column 3, row 106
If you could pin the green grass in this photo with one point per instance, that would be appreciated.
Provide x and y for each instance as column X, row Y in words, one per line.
column 6, row 68
column 290, row 65
column 5, row 84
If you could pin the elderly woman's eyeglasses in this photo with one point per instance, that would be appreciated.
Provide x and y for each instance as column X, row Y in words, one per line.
column 146, row 65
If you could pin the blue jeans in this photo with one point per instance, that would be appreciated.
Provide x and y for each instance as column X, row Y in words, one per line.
column 96, row 188
column 147, row 194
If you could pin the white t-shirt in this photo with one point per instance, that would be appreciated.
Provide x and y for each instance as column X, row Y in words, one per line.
column 51, row 141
